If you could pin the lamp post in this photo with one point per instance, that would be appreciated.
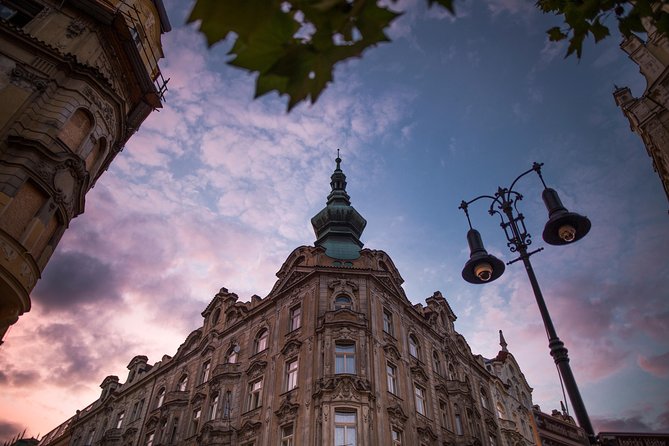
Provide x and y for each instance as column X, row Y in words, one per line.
column 563, row 227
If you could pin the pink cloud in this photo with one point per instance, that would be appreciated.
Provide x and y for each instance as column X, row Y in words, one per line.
column 655, row 365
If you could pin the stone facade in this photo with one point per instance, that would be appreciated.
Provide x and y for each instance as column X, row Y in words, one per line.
column 648, row 115
column 335, row 354
column 77, row 79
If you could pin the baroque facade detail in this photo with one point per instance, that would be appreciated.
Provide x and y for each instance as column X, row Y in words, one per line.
column 68, row 108
column 648, row 115
column 338, row 356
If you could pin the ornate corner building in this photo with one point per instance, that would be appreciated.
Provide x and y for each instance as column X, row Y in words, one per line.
column 335, row 355
column 648, row 115
column 77, row 78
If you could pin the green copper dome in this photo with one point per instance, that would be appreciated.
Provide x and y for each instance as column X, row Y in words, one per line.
column 338, row 225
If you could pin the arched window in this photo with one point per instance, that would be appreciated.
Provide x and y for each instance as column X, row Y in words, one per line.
column 451, row 372
column 500, row 411
column 414, row 347
column 183, row 384
column 484, row 399
column 160, row 399
column 232, row 355
column 76, row 129
column 436, row 363
column 343, row 301
column 216, row 316
column 260, row 342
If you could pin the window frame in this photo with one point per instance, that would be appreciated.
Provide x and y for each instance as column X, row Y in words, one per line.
column 182, row 385
column 161, row 397
column 414, row 346
column 204, row 373
column 347, row 426
column 255, row 395
column 391, row 378
column 388, row 322
column 420, row 399
column 195, row 421
column 261, row 341
column 339, row 305
column 213, row 406
column 287, row 438
column 292, row 374
column 347, row 358
column 295, row 318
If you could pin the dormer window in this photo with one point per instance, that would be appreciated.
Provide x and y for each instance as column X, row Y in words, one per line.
column 343, row 301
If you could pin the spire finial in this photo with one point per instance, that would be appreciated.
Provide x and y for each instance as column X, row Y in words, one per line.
column 502, row 341
column 338, row 161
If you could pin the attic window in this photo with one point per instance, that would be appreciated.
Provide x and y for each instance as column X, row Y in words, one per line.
column 343, row 301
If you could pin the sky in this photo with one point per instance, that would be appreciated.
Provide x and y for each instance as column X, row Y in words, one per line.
column 216, row 189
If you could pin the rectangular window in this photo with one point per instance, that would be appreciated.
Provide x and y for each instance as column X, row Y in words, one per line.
column 137, row 410
column 445, row 419
column 195, row 422
column 291, row 375
column 287, row 438
column 119, row 420
column 420, row 400
column 458, row 424
column 227, row 408
column 491, row 439
column 255, row 395
column 344, row 358
column 213, row 407
column 175, row 430
column 149, row 438
column 396, row 437
column 295, row 318
column 345, row 429
column 391, row 371
column 387, row 322
column 204, row 376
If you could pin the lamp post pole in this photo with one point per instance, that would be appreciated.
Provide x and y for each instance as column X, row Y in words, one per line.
column 557, row 348
column 483, row 267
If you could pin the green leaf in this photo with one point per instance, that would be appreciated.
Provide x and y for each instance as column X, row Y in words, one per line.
column 555, row 34
column 599, row 31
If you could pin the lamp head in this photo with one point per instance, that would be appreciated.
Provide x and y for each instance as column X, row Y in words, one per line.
column 481, row 266
column 563, row 226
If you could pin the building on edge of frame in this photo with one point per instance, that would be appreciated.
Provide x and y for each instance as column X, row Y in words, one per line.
column 335, row 355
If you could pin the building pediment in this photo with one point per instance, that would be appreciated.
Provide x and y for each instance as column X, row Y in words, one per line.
column 249, row 428
column 418, row 373
column 291, row 348
column 392, row 352
column 397, row 415
column 287, row 410
column 426, row 433
column 256, row 369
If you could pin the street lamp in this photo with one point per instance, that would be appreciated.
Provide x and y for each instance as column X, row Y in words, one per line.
column 563, row 227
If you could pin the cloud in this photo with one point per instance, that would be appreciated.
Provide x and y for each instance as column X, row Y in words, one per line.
column 623, row 424
column 655, row 365
column 513, row 7
column 89, row 281
column 9, row 430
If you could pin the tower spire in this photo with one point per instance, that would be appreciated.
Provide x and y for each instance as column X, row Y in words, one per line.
column 502, row 341
column 338, row 226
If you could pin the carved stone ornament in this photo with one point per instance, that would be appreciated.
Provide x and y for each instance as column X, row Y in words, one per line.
column 129, row 433
column 249, row 428
column 7, row 251
column 23, row 78
column 75, row 28
column 199, row 396
column 392, row 352
column 256, row 369
column 426, row 433
column 343, row 286
column 287, row 411
column 291, row 348
column 104, row 108
column 418, row 373
column 397, row 415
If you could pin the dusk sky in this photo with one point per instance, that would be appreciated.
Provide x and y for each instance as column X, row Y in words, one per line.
column 216, row 190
